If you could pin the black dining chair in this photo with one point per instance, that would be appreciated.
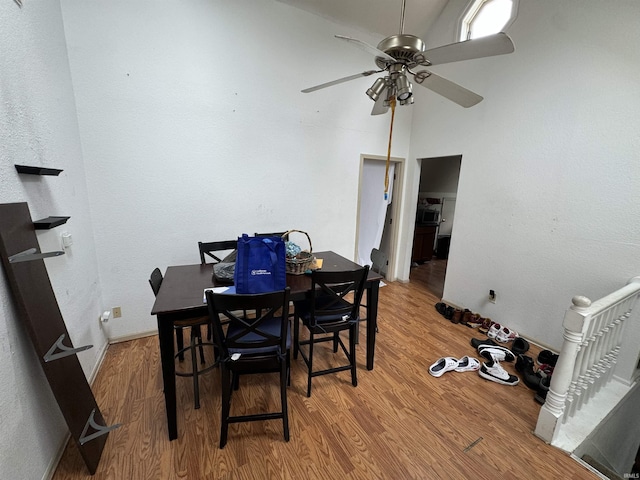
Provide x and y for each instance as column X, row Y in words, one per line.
column 196, row 344
column 330, row 310
column 213, row 250
column 256, row 341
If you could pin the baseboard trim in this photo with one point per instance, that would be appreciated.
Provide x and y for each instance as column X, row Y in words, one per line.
column 135, row 336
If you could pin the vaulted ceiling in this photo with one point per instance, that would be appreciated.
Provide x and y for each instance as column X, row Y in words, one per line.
column 376, row 16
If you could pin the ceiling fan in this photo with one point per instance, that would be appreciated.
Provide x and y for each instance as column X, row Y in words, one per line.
column 399, row 55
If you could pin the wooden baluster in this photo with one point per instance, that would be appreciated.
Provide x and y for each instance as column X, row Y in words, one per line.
column 552, row 411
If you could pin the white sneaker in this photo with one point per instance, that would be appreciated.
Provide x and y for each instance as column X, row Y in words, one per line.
column 497, row 374
column 506, row 335
column 443, row 365
column 493, row 330
column 496, row 353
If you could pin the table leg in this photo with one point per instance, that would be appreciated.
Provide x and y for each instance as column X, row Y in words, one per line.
column 165, row 334
column 372, row 321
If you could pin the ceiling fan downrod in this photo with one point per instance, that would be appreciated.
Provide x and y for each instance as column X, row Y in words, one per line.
column 404, row 2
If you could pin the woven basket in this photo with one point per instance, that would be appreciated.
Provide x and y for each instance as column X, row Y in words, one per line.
column 300, row 263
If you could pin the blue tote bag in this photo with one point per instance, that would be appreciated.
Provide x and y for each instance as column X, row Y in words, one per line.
column 260, row 265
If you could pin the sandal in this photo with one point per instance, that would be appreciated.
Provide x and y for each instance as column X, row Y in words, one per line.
column 443, row 365
column 468, row 364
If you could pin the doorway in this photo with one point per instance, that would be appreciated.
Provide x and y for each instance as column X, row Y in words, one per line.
column 436, row 201
column 376, row 226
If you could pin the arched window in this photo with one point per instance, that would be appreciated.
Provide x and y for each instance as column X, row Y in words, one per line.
column 485, row 17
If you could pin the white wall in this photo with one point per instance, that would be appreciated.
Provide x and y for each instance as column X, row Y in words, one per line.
column 194, row 128
column 38, row 126
column 548, row 203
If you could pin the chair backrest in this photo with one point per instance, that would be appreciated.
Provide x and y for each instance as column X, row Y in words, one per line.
column 379, row 260
column 155, row 280
column 208, row 249
column 255, row 323
column 329, row 295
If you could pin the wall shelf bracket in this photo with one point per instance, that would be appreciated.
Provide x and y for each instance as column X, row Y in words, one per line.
column 99, row 429
column 30, row 254
column 64, row 350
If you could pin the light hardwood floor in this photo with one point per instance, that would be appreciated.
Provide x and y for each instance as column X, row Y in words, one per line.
column 398, row 423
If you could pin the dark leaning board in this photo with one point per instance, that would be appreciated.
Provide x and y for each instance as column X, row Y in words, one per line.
column 38, row 309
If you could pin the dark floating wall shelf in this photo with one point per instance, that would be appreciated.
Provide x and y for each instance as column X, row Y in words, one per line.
column 50, row 222
column 37, row 170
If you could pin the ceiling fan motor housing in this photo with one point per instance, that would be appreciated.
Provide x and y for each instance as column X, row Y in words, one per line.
column 401, row 47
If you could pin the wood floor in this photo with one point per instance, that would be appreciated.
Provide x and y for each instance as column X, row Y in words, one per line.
column 398, row 423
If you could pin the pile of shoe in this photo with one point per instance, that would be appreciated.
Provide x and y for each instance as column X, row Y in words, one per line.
column 491, row 369
column 464, row 317
column 449, row 364
column 537, row 379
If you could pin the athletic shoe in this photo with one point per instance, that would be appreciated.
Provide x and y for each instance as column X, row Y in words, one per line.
column 498, row 354
column 443, row 365
column 541, row 395
column 547, row 357
column 545, row 370
column 486, row 325
column 494, row 330
column 497, row 374
column 524, row 364
column 467, row 364
column 506, row 335
column 475, row 321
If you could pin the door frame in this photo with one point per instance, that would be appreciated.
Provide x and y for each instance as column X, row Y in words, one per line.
column 398, row 192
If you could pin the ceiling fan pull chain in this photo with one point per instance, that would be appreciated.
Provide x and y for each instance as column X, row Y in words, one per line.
column 392, row 103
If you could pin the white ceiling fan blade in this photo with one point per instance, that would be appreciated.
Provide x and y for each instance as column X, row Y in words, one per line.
column 452, row 91
column 367, row 48
column 488, row 46
column 379, row 107
column 340, row 80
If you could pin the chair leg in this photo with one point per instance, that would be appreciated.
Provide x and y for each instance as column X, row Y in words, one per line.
column 226, row 405
column 296, row 339
column 179, row 343
column 352, row 353
column 194, row 366
column 335, row 342
column 283, row 398
column 310, row 363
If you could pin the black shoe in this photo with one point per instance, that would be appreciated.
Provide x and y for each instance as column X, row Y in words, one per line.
column 441, row 308
column 541, row 396
column 520, row 345
column 448, row 312
column 547, row 357
column 524, row 364
column 476, row 342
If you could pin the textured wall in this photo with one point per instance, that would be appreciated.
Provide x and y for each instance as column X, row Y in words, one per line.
column 194, row 128
column 38, row 126
column 548, row 202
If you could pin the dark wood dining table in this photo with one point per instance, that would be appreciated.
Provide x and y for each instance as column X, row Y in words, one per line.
column 181, row 296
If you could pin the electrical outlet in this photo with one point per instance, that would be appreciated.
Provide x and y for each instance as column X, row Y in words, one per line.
column 492, row 296
column 117, row 312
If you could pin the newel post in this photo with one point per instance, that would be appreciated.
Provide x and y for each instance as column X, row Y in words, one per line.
column 551, row 413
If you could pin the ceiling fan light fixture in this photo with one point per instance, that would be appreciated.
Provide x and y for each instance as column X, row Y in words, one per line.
column 408, row 101
column 376, row 89
column 404, row 89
